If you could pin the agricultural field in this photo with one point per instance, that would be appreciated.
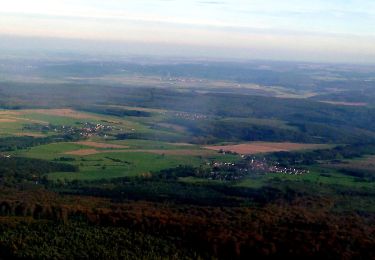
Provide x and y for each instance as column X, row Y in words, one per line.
column 186, row 161
column 98, row 156
column 103, row 151
column 263, row 147
column 366, row 163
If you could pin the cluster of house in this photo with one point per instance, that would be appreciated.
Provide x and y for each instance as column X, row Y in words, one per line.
column 190, row 116
column 223, row 176
column 183, row 80
column 91, row 129
column 87, row 130
column 230, row 171
column 224, row 171
column 262, row 166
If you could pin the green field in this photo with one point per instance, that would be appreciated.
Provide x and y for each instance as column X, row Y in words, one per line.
column 111, row 164
column 114, row 165
column 319, row 176
column 137, row 158
column 108, row 162
column 154, row 159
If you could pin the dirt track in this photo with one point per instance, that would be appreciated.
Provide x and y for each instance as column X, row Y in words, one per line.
column 65, row 112
column 101, row 145
column 262, row 147
column 84, row 152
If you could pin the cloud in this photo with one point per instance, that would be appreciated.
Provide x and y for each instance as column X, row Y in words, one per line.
column 286, row 28
column 211, row 2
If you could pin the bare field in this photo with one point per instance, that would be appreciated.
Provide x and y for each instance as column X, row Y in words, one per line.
column 366, row 163
column 263, row 147
column 173, row 127
column 29, row 134
column 7, row 120
column 83, row 152
column 64, row 112
column 186, row 152
column 181, row 144
column 352, row 104
column 30, row 120
column 101, row 145
column 9, row 112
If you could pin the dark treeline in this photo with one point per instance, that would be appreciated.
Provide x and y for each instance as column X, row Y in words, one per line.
column 313, row 157
column 312, row 119
column 16, row 170
column 28, row 241
column 12, row 143
column 165, row 186
column 167, row 137
column 148, row 189
column 213, row 131
column 273, row 230
column 166, row 215
column 283, row 218
column 361, row 174
column 116, row 111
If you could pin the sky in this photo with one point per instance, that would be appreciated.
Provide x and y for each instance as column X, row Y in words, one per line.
column 331, row 30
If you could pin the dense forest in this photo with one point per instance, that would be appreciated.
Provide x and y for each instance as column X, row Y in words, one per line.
column 157, row 216
column 207, row 205
column 12, row 143
column 308, row 121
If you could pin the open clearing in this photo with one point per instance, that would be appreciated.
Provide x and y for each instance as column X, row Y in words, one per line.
column 29, row 134
column 181, row 144
column 64, row 112
column 17, row 119
column 85, row 152
column 352, row 104
column 9, row 112
column 362, row 164
column 173, row 127
column 186, row 152
column 248, row 148
column 263, row 147
column 102, row 145
column 7, row 120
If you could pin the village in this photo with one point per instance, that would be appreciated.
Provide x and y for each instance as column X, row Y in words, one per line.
column 87, row 130
column 230, row 171
column 190, row 116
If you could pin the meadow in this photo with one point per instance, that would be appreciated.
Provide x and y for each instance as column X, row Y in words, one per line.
column 187, row 161
column 110, row 158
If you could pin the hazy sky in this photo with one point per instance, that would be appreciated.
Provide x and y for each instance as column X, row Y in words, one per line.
column 331, row 30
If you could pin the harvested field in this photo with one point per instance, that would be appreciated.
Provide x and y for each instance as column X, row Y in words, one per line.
column 9, row 112
column 29, row 120
column 64, row 112
column 102, row 145
column 177, row 152
column 353, row 104
column 180, row 144
column 173, row 127
column 83, row 152
column 364, row 164
column 263, row 147
column 7, row 120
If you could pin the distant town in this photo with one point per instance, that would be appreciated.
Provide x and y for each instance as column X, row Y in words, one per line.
column 231, row 171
